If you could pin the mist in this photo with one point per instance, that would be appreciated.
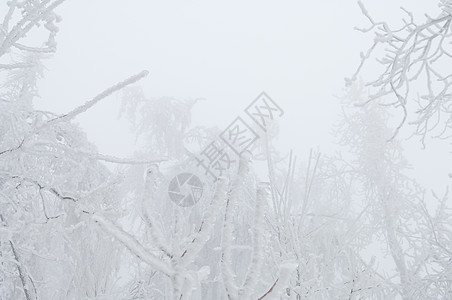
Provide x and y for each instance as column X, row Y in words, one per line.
column 234, row 150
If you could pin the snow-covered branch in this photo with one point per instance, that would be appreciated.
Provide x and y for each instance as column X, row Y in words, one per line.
column 33, row 14
column 285, row 271
column 415, row 64
column 43, row 148
column 207, row 224
column 147, row 202
column 228, row 227
column 257, row 256
column 133, row 245
column 81, row 109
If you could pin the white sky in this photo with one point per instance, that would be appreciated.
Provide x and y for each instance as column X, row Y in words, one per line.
column 226, row 52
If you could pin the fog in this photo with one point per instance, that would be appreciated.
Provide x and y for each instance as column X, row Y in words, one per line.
column 226, row 54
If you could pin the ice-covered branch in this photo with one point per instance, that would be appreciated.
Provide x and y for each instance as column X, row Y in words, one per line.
column 19, row 265
column 22, row 277
column 182, row 281
column 147, row 200
column 12, row 149
column 415, row 63
column 81, row 109
column 285, row 270
column 43, row 187
column 34, row 49
column 31, row 18
column 133, row 245
column 34, row 148
column 120, row 160
column 70, row 115
column 228, row 227
column 4, row 67
column 257, row 258
column 207, row 224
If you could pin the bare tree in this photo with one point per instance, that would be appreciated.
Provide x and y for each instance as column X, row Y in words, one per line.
column 396, row 205
column 415, row 59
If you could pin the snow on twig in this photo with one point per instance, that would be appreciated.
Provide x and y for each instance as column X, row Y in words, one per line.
column 133, row 245
column 83, row 108
column 91, row 155
column 285, row 270
column 254, row 268
column 147, row 200
column 30, row 20
column 228, row 227
column 207, row 224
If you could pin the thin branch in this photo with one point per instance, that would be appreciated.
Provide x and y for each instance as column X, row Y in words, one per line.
column 133, row 245
column 207, row 224
column 254, row 268
column 228, row 227
column 70, row 115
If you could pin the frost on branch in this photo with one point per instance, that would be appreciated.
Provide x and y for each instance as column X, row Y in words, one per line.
column 415, row 59
column 32, row 15
column 228, row 227
column 285, row 272
column 161, row 122
column 133, row 245
column 73, row 228
column 257, row 254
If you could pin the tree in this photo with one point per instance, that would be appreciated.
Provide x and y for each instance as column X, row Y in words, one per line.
column 397, row 206
column 50, row 176
column 415, row 59
column 73, row 228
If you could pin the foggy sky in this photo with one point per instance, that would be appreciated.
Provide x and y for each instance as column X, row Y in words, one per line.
column 225, row 52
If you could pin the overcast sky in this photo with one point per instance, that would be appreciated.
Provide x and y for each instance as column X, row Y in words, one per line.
column 225, row 52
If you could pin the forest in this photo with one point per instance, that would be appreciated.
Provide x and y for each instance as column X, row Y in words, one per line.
column 224, row 212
